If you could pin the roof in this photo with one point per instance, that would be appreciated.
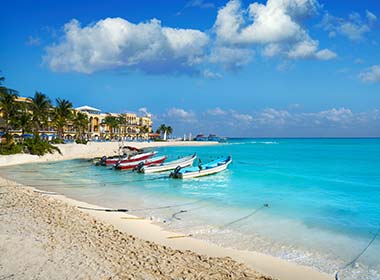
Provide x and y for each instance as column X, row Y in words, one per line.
column 87, row 108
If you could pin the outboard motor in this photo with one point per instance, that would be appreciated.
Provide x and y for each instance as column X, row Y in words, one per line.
column 102, row 161
column 139, row 167
column 175, row 172
column 117, row 164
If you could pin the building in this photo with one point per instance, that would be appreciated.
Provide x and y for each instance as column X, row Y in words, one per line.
column 130, row 126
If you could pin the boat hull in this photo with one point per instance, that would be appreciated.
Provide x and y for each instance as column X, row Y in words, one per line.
column 138, row 157
column 167, row 167
column 134, row 164
column 202, row 172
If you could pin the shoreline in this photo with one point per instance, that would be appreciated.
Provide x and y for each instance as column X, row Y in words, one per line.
column 92, row 150
column 146, row 230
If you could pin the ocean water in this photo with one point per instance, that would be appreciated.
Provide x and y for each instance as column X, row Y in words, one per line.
column 323, row 197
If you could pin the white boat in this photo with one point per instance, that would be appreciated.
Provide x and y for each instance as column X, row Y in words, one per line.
column 135, row 164
column 171, row 165
column 202, row 170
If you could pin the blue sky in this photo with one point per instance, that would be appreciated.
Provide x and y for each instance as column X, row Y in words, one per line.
column 283, row 68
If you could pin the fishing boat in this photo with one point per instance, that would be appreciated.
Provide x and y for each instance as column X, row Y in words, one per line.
column 202, row 170
column 133, row 164
column 171, row 165
column 129, row 158
column 124, row 151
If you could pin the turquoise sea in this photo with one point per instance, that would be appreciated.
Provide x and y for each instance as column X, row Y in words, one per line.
column 323, row 196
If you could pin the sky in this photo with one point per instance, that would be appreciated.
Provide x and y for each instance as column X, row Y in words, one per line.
column 275, row 68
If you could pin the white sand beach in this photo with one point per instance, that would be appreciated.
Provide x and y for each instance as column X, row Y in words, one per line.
column 45, row 236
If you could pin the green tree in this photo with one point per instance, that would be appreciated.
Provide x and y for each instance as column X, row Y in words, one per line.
column 23, row 121
column 144, row 130
column 8, row 105
column 112, row 122
column 41, row 109
column 169, row 130
column 80, row 122
column 61, row 115
column 161, row 129
column 165, row 130
column 122, row 122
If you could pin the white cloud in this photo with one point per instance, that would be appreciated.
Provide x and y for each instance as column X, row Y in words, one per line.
column 274, row 22
column 118, row 43
column 231, row 58
column 181, row 115
column 245, row 118
column 340, row 115
column 371, row 75
column 216, row 112
column 278, row 25
column 200, row 4
column 370, row 16
column 211, row 75
column 354, row 28
column 339, row 121
column 325, row 54
column 144, row 111
column 271, row 116
column 33, row 41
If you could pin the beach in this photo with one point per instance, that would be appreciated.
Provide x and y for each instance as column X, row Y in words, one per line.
column 57, row 240
column 44, row 238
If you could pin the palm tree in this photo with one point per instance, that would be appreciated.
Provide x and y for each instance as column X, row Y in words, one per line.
column 8, row 105
column 80, row 122
column 112, row 122
column 62, row 114
column 144, row 130
column 166, row 130
column 122, row 121
column 24, row 122
column 169, row 130
column 41, row 106
column 161, row 129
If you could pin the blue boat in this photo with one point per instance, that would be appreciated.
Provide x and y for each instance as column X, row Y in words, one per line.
column 212, row 167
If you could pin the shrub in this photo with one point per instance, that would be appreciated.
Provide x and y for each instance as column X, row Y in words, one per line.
column 57, row 141
column 36, row 146
column 81, row 141
column 10, row 148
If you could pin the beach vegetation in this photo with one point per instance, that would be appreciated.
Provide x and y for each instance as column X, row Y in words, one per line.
column 164, row 130
column 36, row 146
column 57, row 141
column 62, row 114
column 112, row 122
column 10, row 148
column 8, row 105
column 23, row 122
column 80, row 122
column 41, row 108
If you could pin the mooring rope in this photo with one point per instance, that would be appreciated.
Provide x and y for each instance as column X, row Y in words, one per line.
column 359, row 255
column 244, row 217
column 140, row 209
column 266, row 205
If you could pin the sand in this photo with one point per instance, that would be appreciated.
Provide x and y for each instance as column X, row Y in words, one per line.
column 45, row 236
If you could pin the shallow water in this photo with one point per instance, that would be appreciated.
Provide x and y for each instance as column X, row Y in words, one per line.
column 324, row 198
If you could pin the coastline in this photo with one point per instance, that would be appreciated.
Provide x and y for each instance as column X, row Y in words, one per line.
column 91, row 150
column 145, row 230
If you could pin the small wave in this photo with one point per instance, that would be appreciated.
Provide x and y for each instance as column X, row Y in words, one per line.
column 254, row 142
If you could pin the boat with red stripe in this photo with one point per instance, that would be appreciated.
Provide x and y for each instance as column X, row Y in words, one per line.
column 135, row 164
